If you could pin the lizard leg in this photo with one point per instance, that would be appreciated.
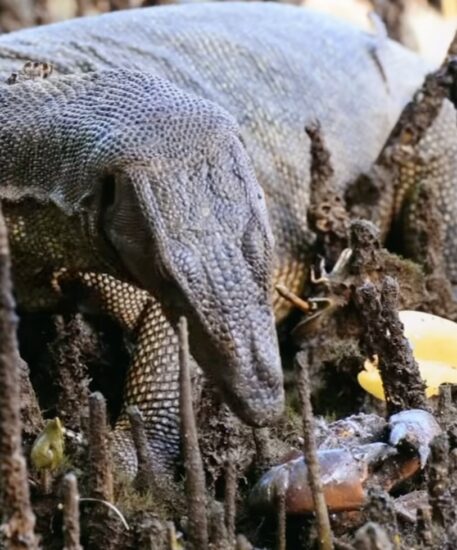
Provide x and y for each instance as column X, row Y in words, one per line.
column 153, row 375
column 153, row 385
column 427, row 196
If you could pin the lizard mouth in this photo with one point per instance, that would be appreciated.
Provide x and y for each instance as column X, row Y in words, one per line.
column 262, row 408
column 255, row 393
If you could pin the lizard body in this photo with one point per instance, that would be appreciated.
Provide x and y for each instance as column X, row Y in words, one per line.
column 290, row 74
column 275, row 69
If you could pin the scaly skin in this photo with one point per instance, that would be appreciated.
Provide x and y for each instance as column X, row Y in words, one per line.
column 140, row 182
column 275, row 69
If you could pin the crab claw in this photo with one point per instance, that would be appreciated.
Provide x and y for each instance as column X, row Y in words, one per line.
column 346, row 474
column 416, row 429
column 342, row 477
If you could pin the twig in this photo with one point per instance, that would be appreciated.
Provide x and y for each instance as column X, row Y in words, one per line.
column 231, row 480
column 100, row 466
column 422, row 111
column 443, row 508
column 70, row 372
column 193, row 465
column 327, row 215
column 281, row 534
column 144, row 480
column 110, row 507
column 293, row 298
column 403, row 181
column 399, row 154
column 375, row 299
column 310, row 451
column 103, row 529
column 365, row 261
column 446, row 409
column 424, row 526
column 321, row 167
column 18, row 518
column 32, row 419
column 218, row 531
column 384, row 336
column 71, row 529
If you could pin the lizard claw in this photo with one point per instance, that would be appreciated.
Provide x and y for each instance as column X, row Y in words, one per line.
column 295, row 300
column 416, row 429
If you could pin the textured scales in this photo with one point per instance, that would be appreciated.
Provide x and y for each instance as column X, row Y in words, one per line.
column 275, row 69
column 114, row 179
column 432, row 164
column 274, row 81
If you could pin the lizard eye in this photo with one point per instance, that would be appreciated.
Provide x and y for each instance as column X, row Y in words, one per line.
column 120, row 216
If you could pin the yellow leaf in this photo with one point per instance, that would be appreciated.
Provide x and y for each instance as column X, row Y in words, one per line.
column 434, row 344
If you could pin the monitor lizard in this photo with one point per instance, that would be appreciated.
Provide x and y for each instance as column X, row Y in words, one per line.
column 140, row 186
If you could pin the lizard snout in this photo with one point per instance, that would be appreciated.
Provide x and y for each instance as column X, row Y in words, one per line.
column 253, row 383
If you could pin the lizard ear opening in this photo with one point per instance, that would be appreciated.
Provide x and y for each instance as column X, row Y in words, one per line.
column 108, row 191
column 106, row 198
column 132, row 223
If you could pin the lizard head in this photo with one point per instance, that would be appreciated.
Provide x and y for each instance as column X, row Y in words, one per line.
column 188, row 220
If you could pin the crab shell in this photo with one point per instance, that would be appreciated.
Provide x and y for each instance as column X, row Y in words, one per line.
column 345, row 475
